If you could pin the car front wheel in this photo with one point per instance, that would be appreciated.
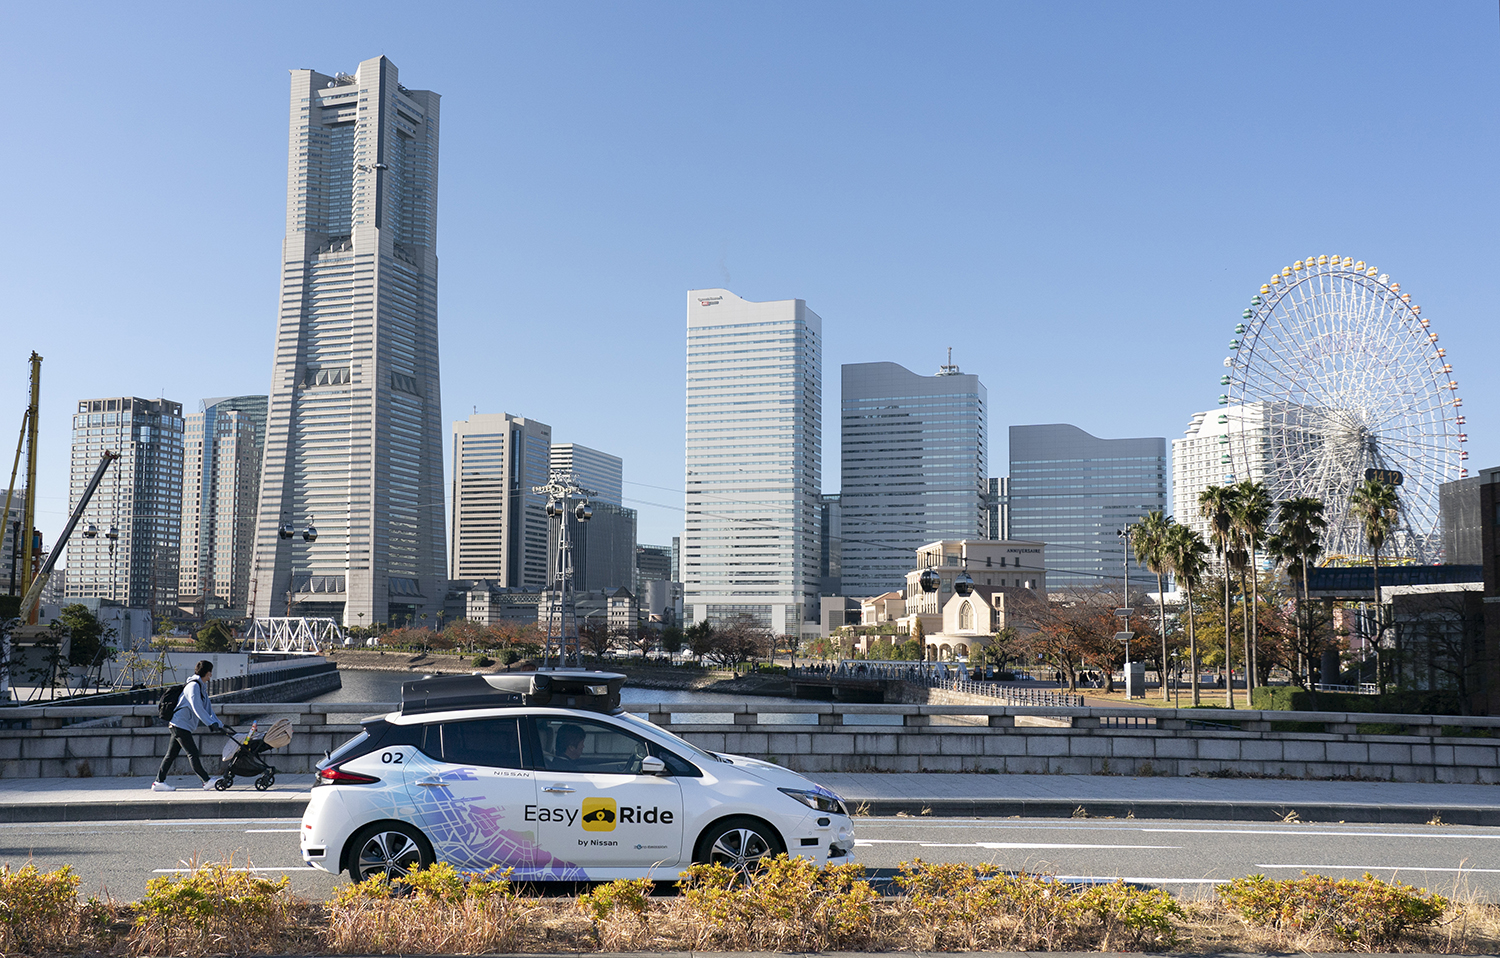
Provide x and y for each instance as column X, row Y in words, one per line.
column 392, row 849
column 738, row 843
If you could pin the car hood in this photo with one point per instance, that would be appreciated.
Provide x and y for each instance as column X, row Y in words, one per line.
column 770, row 772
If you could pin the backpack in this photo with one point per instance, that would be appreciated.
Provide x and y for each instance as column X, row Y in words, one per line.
column 167, row 704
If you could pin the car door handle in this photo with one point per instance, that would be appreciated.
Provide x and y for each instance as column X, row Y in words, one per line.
column 432, row 784
column 558, row 788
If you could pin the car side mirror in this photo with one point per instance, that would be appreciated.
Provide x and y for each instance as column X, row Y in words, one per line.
column 651, row 765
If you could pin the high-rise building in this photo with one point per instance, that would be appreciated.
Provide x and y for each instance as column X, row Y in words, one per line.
column 914, row 468
column 222, row 447
column 603, row 548
column 998, row 508
column 129, row 540
column 354, row 438
column 652, row 564
column 754, row 469
column 830, row 545
column 10, row 556
column 500, row 525
column 592, row 469
column 1075, row 492
column 1201, row 458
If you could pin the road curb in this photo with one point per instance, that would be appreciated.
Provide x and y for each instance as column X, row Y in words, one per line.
column 21, row 814
column 1170, row 810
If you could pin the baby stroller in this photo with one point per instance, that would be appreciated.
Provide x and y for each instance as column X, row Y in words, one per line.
column 244, row 757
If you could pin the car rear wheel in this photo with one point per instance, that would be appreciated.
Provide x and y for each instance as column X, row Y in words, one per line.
column 392, row 849
column 738, row 843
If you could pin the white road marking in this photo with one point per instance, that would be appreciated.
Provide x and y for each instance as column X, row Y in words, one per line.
column 272, row 831
column 1147, row 881
column 995, row 845
column 1298, row 831
column 274, row 868
column 1391, row 868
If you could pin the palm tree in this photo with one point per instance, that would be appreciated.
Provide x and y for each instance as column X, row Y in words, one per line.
column 1376, row 506
column 1298, row 543
column 1251, row 513
column 1185, row 554
column 1217, row 505
column 1150, row 541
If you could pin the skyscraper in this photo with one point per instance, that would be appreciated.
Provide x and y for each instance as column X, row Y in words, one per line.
column 1201, row 458
column 354, row 434
column 1075, row 492
column 998, row 507
column 754, row 469
column 592, row 469
column 223, row 445
column 128, row 542
column 914, row 468
column 499, row 524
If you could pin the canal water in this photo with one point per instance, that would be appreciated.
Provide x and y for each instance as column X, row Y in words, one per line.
column 369, row 685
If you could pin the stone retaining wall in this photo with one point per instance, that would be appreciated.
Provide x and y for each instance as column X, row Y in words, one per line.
column 931, row 738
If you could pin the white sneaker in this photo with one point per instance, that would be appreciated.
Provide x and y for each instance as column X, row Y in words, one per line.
column 208, row 786
column 162, row 787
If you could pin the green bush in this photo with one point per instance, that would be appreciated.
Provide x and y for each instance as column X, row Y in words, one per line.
column 618, row 910
column 437, row 910
column 216, row 638
column 790, row 904
column 1367, row 911
column 483, row 661
column 1290, row 698
column 1131, row 917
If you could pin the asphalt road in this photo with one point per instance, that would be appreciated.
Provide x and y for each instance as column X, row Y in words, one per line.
column 1186, row 857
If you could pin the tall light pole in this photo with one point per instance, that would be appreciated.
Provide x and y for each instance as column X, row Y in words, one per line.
column 564, row 495
column 1124, row 613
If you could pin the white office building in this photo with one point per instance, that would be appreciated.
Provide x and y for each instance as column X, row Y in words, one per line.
column 354, row 438
column 592, row 469
column 913, row 468
column 753, row 451
column 499, row 525
column 223, row 444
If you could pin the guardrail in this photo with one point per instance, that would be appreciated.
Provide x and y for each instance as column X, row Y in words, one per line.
column 937, row 675
column 150, row 694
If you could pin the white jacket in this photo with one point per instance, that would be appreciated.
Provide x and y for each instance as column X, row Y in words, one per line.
column 193, row 706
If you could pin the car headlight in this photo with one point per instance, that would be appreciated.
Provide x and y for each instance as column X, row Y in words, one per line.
column 817, row 798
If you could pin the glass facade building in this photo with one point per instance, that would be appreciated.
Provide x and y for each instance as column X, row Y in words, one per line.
column 753, row 460
column 592, row 469
column 223, row 445
column 354, row 435
column 1075, row 492
column 914, row 469
column 136, row 513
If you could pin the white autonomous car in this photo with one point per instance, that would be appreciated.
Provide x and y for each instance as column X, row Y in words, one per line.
column 544, row 773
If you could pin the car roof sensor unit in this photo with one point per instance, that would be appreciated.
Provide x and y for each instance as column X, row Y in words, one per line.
column 594, row 691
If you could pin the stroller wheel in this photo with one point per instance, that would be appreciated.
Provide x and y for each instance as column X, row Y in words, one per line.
column 265, row 781
column 224, row 782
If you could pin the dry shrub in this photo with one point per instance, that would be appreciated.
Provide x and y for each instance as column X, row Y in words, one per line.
column 789, row 904
column 39, row 910
column 619, row 910
column 955, row 906
column 438, row 910
column 216, row 909
column 1364, row 912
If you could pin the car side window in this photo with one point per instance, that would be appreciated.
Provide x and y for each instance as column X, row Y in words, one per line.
column 495, row 742
column 570, row 744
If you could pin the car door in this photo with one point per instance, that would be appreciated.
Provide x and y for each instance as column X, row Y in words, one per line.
column 595, row 808
column 472, row 791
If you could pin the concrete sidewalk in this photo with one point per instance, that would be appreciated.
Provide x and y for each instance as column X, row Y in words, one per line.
column 939, row 795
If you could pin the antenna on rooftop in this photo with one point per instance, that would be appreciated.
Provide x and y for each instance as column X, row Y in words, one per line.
column 948, row 369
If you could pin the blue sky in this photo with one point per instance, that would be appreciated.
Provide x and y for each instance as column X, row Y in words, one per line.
column 1079, row 198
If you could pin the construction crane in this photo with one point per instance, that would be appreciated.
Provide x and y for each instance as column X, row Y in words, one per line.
column 34, row 594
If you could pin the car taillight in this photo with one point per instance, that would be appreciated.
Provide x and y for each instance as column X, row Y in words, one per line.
column 333, row 775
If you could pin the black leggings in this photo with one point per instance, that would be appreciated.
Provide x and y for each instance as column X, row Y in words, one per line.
column 182, row 741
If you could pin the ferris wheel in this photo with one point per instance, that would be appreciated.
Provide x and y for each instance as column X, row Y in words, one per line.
column 1332, row 373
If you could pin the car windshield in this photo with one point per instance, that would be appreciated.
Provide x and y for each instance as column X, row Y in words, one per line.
column 689, row 746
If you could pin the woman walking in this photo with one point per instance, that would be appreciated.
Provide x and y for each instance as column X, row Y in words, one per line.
column 193, row 708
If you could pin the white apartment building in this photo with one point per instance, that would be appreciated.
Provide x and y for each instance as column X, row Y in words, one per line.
column 592, row 469
column 223, row 443
column 1009, row 564
column 354, row 437
column 753, row 460
column 1202, row 457
column 128, row 542
column 499, row 528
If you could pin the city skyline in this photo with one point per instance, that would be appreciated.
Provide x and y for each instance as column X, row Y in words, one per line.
column 1084, row 199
